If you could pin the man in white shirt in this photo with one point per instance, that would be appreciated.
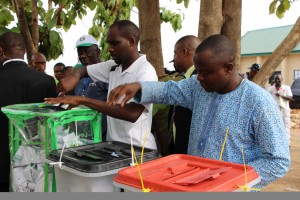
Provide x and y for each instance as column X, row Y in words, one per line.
column 126, row 66
column 282, row 95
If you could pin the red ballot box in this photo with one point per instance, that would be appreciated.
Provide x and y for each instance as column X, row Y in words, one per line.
column 185, row 173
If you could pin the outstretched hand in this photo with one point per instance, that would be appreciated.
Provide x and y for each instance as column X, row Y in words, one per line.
column 126, row 90
column 73, row 101
column 67, row 84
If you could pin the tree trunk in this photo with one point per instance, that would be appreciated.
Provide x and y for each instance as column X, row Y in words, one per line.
column 210, row 18
column 23, row 26
column 222, row 17
column 232, row 26
column 150, row 42
column 285, row 47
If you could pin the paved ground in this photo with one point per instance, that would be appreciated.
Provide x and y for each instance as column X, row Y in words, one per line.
column 291, row 181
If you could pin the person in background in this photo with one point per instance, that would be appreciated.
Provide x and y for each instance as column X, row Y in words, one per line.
column 22, row 85
column 161, row 120
column 180, row 117
column 253, row 71
column 133, row 122
column 89, row 53
column 295, row 88
column 38, row 62
column 58, row 71
column 67, row 71
column 228, row 111
column 283, row 95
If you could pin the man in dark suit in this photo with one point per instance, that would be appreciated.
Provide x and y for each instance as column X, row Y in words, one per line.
column 20, row 84
column 180, row 117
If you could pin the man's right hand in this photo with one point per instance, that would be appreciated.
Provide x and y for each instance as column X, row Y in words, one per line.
column 67, row 84
column 126, row 90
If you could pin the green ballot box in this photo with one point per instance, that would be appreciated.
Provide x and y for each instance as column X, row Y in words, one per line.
column 35, row 130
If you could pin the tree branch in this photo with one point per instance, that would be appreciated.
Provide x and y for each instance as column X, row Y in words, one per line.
column 35, row 25
column 23, row 26
column 285, row 47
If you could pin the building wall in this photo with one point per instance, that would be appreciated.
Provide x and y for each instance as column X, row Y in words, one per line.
column 287, row 66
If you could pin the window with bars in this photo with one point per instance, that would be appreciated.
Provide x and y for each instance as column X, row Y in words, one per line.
column 296, row 74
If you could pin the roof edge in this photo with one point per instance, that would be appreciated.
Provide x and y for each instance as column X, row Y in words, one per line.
column 266, row 53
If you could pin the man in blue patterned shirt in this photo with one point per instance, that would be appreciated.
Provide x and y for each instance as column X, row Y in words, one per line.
column 222, row 100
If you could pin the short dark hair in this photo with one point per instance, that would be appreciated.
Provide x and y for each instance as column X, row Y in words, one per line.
column 59, row 64
column 68, row 67
column 220, row 45
column 128, row 29
column 190, row 41
column 12, row 40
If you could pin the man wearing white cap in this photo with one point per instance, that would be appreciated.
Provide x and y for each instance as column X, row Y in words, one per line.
column 88, row 54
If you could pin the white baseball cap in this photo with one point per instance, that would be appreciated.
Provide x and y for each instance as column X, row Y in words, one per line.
column 86, row 41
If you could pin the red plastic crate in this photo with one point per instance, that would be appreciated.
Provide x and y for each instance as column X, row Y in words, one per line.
column 185, row 173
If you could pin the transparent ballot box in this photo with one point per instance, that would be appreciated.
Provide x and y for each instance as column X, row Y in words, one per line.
column 91, row 168
column 35, row 130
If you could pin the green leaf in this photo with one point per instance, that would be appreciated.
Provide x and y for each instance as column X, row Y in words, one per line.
column 83, row 11
column 179, row 1
column 40, row 3
column 112, row 3
column 186, row 3
column 3, row 29
column 64, row 1
column 5, row 2
column 92, row 5
column 28, row 6
column 67, row 6
column 54, row 45
column 72, row 14
column 80, row 15
column 106, row 14
column 94, row 31
column 53, row 37
column 166, row 16
column 63, row 16
column 286, row 4
column 67, row 24
column 48, row 15
column 15, row 29
column 280, row 11
column 52, row 23
column 272, row 7
column 5, row 18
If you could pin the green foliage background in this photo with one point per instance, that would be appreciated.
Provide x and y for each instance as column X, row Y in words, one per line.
column 64, row 13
